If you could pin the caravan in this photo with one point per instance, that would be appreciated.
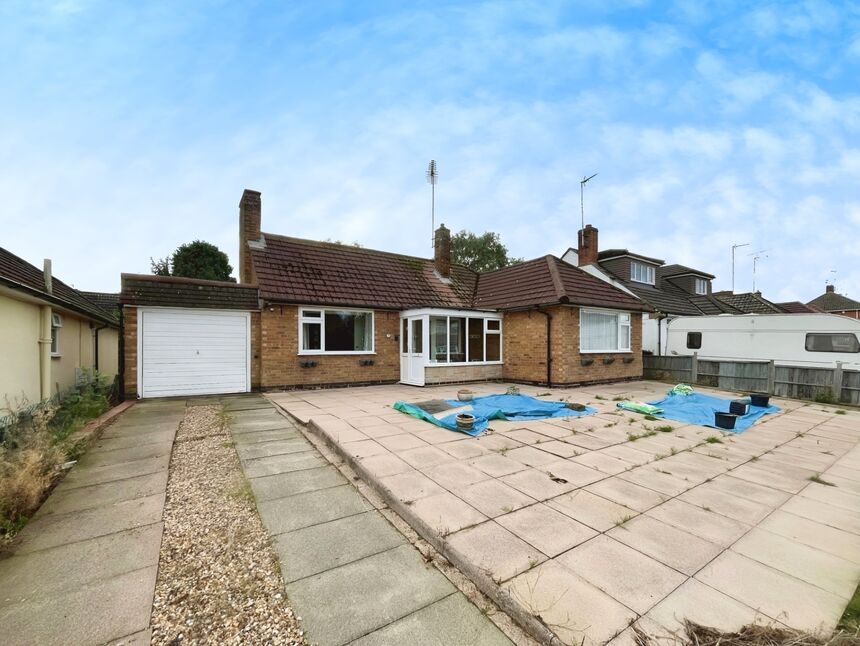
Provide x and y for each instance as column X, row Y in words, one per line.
column 809, row 340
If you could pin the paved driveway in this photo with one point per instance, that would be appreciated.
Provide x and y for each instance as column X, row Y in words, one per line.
column 589, row 529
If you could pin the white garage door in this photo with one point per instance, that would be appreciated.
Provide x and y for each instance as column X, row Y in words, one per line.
column 193, row 352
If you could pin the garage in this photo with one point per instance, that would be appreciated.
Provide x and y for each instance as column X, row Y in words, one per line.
column 186, row 352
column 184, row 337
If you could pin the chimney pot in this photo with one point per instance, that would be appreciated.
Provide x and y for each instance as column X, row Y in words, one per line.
column 831, row 289
column 442, row 251
column 587, row 245
column 250, row 216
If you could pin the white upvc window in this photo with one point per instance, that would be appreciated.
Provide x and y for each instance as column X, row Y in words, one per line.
column 701, row 286
column 335, row 331
column 642, row 273
column 56, row 324
column 604, row 331
column 465, row 339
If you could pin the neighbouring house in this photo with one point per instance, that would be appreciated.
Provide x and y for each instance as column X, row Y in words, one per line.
column 669, row 290
column 51, row 332
column 834, row 303
column 308, row 314
column 796, row 307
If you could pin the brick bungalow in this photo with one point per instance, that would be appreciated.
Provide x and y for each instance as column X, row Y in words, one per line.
column 327, row 314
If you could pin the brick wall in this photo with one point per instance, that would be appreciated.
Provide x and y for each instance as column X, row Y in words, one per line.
column 129, row 352
column 281, row 364
column 459, row 374
column 525, row 350
column 255, row 351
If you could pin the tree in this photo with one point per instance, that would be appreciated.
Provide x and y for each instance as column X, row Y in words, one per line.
column 480, row 253
column 196, row 259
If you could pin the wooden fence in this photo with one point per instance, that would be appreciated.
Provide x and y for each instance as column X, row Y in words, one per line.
column 796, row 382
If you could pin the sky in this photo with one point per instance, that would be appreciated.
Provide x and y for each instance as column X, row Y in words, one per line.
column 129, row 128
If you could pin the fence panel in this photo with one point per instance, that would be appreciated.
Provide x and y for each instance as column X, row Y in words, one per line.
column 803, row 383
column 850, row 387
column 667, row 368
column 734, row 375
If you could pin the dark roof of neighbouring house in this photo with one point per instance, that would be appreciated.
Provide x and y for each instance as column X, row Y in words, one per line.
column 614, row 253
column 548, row 281
column 19, row 274
column 166, row 291
column 667, row 271
column 833, row 302
column 105, row 300
column 293, row 270
column 749, row 303
column 668, row 299
column 796, row 307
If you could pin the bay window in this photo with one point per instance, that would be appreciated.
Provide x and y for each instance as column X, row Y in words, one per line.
column 335, row 331
column 604, row 331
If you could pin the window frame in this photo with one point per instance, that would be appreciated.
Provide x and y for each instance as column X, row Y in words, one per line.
column 694, row 347
column 56, row 326
column 704, row 284
column 320, row 320
column 650, row 272
column 809, row 336
column 466, row 316
column 619, row 325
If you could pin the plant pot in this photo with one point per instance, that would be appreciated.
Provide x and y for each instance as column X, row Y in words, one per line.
column 586, row 362
column 465, row 421
column 739, row 407
column 465, row 395
column 608, row 361
column 759, row 399
column 627, row 359
column 725, row 420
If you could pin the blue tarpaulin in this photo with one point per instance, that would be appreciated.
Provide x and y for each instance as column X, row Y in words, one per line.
column 505, row 407
column 696, row 408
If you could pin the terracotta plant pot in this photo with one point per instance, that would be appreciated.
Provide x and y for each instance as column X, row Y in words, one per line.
column 465, row 421
column 465, row 395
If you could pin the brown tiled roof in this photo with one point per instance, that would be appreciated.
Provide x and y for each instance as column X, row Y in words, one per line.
column 548, row 281
column 678, row 270
column 796, row 307
column 20, row 274
column 748, row 303
column 833, row 302
column 606, row 254
column 171, row 291
column 293, row 270
column 108, row 301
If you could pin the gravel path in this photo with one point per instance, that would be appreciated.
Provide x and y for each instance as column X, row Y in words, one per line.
column 218, row 577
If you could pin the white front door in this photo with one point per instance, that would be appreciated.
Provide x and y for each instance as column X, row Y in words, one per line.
column 412, row 351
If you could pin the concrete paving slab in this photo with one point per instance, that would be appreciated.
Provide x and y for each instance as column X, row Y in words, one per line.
column 704, row 605
column 58, row 529
column 793, row 602
column 704, row 523
column 282, row 485
column 80, row 477
column 497, row 465
column 608, row 464
column 73, row 565
column 455, row 475
column 64, row 500
column 122, row 606
column 578, row 475
column 255, row 437
column 452, row 620
column 111, row 444
column 318, row 548
column 832, row 496
column 592, row 510
column 401, row 442
column 464, row 449
column 383, row 465
column 844, row 519
column 578, row 612
column 340, row 605
column 537, row 484
column 809, row 532
column 814, row 566
column 266, row 449
column 446, row 513
column 495, row 550
column 669, row 545
column 306, row 509
column 493, row 498
column 627, row 575
column 548, row 530
column 283, row 463
column 627, row 494
column 130, row 454
column 411, row 485
column 741, row 509
column 654, row 476
column 142, row 638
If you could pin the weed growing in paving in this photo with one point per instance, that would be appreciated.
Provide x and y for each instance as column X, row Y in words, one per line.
column 632, row 437
column 713, row 439
column 651, row 418
column 840, row 412
column 664, row 429
column 622, row 521
column 600, row 397
column 819, row 480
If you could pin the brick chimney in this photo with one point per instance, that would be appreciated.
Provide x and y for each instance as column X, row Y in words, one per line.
column 250, row 214
column 587, row 245
column 442, row 247
column 831, row 289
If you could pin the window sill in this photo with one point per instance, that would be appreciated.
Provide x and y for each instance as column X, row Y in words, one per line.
column 323, row 353
column 462, row 364
column 606, row 352
column 56, row 356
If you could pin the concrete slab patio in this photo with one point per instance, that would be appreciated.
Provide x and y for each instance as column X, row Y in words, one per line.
column 83, row 571
column 582, row 527
column 349, row 574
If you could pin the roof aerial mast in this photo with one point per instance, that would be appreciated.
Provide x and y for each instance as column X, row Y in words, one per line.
column 582, row 197
column 432, row 177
